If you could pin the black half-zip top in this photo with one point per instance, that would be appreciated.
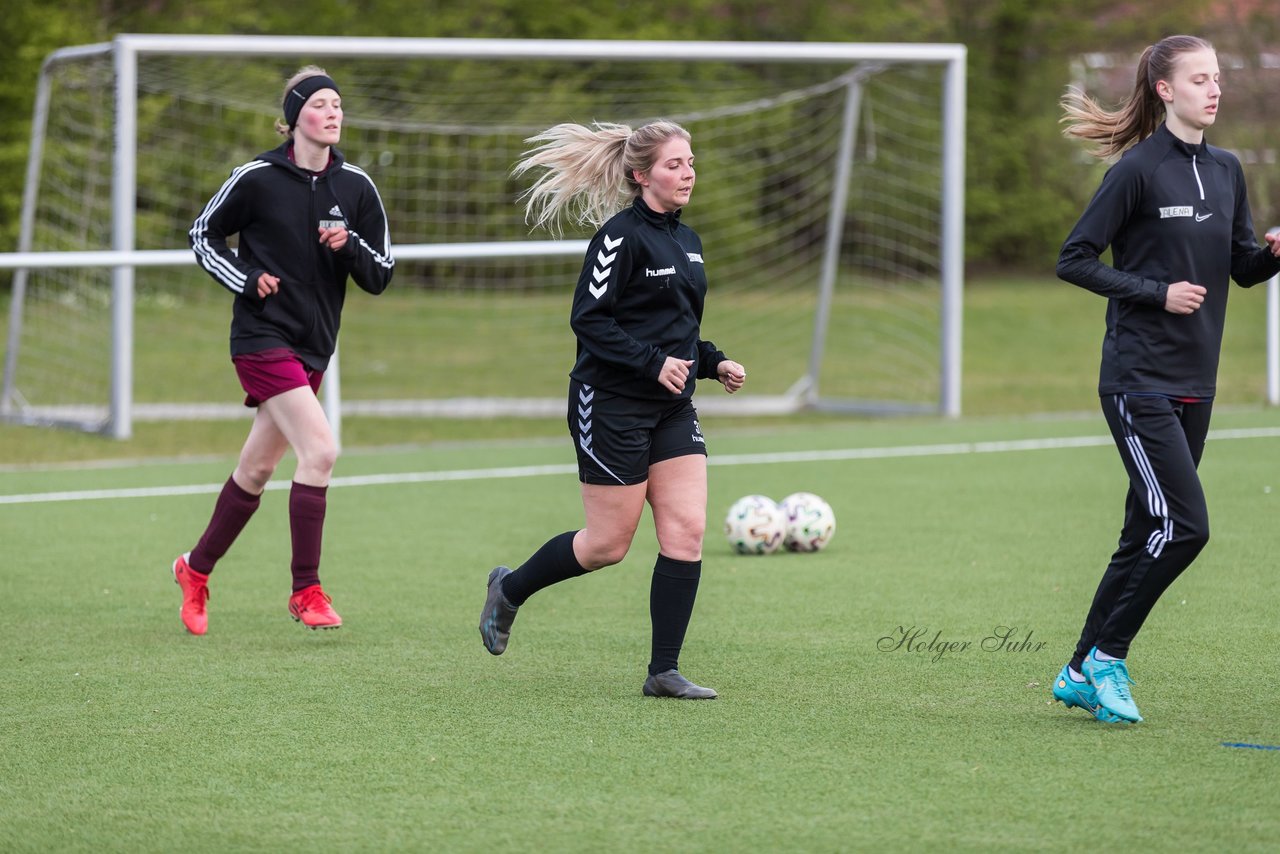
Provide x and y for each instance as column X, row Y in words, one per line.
column 639, row 300
column 1170, row 211
column 669, row 223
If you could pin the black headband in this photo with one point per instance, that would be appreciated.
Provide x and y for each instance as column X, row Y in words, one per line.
column 300, row 94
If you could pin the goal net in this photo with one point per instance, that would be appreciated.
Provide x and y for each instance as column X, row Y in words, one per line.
column 828, row 202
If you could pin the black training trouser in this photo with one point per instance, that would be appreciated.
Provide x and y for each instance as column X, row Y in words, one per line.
column 1166, row 521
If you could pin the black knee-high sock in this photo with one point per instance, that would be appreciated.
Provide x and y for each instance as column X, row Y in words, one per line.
column 671, row 595
column 552, row 563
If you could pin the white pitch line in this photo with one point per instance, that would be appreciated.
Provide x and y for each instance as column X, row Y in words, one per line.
column 276, row 485
column 884, row 453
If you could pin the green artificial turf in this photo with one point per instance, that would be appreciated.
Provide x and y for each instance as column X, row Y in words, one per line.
column 119, row 732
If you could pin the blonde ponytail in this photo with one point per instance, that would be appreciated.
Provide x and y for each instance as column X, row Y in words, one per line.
column 590, row 171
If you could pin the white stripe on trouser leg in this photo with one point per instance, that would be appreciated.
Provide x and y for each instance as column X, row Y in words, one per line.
column 1155, row 543
column 1155, row 497
column 1156, row 504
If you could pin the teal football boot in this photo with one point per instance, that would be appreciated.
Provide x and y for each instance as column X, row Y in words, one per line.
column 1110, row 679
column 1080, row 695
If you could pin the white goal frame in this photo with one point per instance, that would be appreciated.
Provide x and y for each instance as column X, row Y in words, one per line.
column 123, row 258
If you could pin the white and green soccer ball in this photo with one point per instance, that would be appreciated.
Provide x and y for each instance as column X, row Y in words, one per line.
column 810, row 522
column 755, row 525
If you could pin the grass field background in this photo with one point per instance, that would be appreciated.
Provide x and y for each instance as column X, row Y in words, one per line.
column 1030, row 346
column 118, row 732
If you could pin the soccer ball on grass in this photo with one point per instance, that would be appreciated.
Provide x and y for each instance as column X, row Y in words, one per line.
column 755, row 525
column 810, row 523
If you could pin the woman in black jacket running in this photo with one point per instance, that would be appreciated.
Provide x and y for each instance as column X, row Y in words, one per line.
column 636, row 313
column 307, row 220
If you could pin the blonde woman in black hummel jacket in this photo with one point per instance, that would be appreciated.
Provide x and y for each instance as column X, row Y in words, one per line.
column 1175, row 213
column 636, row 313
column 307, row 220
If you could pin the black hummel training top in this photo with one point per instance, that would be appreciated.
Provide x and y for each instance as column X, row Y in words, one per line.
column 1171, row 212
column 638, row 300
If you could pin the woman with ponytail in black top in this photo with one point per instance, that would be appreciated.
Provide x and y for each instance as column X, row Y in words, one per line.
column 1175, row 213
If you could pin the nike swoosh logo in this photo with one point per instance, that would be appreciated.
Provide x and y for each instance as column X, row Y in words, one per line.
column 1200, row 218
column 1079, row 695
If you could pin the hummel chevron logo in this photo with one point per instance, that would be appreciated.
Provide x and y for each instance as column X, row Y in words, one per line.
column 586, row 394
column 604, row 267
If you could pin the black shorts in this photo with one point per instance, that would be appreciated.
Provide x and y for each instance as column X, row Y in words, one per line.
column 617, row 438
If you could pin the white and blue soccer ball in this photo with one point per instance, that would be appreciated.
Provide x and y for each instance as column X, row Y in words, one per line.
column 810, row 522
column 755, row 525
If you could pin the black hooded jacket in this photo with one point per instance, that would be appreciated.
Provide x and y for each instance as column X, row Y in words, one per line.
column 277, row 208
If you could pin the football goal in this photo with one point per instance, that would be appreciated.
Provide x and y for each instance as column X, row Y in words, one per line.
column 829, row 201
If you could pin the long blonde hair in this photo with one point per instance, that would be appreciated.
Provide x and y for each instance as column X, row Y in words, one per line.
column 282, row 127
column 1141, row 114
column 590, row 171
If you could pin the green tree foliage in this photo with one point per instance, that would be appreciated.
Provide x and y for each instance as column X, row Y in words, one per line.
column 30, row 32
column 1026, row 184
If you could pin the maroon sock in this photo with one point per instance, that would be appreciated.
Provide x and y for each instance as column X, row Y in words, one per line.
column 231, row 513
column 306, row 523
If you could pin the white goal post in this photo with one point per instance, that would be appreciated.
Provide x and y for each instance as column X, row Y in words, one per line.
column 877, row 201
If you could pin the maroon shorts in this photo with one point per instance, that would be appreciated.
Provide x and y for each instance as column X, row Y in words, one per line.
column 267, row 373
